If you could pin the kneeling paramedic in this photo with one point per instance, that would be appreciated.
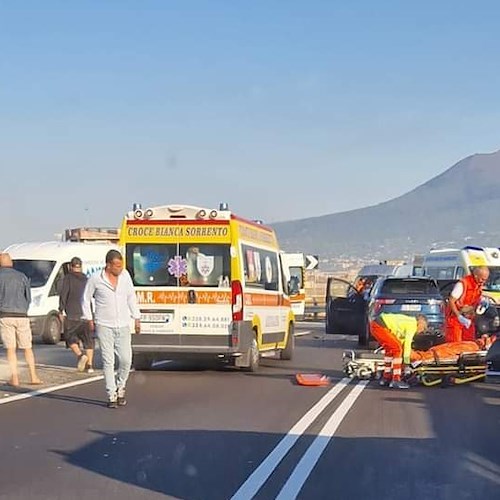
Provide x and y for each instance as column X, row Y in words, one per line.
column 395, row 332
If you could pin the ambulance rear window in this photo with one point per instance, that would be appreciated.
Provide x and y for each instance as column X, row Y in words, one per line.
column 186, row 265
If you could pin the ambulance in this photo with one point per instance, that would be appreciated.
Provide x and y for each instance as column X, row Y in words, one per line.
column 295, row 263
column 209, row 284
column 45, row 265
column 449, row 265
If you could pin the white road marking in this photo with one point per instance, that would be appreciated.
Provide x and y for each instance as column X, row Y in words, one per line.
column 300, row 334
column 255, row 481
column 294, row 484
column 46, row 390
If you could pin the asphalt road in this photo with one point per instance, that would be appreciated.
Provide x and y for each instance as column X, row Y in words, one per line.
column 204, row 433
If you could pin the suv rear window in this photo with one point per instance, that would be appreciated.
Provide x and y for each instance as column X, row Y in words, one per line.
column 408, row 287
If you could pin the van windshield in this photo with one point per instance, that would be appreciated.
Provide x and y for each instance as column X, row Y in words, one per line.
column 197, row 265
column 37, row 271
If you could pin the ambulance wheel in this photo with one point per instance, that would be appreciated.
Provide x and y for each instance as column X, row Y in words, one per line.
column 287, row 352
column 142, row 362
column 253, row 356
column 52, row 332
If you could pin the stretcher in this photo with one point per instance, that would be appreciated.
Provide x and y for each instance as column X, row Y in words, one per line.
column 429, row 371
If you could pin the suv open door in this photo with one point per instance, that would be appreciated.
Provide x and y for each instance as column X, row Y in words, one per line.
column 345, row 308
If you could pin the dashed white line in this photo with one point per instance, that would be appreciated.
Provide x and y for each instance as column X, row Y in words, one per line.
column 296, row 481
column 46, row 390
column 255, row 481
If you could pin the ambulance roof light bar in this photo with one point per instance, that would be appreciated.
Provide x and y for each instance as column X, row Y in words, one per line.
column 166, row 212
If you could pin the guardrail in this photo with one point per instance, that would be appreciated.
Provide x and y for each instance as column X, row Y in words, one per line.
column 314, row 311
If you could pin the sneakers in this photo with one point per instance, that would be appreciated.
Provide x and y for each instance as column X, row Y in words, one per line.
column 112, row 403
column 384, row 382
column 399, row 384
column 90, row 369
column 121, row 397
column 82, row 362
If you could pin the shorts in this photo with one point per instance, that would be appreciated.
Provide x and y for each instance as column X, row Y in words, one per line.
column 16, row 332
column 76, row 331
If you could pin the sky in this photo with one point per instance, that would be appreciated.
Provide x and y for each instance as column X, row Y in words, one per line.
column 284, row 109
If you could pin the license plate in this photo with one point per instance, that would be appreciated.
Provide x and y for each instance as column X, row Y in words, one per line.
column 163, row 318
column 411, row 307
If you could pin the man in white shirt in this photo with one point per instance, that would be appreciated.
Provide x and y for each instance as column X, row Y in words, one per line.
column 115, row 304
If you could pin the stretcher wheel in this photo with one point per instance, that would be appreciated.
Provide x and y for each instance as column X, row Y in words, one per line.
column 364, row 373
column 448, row 381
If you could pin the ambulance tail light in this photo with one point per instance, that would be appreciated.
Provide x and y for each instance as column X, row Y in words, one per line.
column 237, row 300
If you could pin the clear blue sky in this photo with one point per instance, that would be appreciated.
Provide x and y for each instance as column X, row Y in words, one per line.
column 284, row 109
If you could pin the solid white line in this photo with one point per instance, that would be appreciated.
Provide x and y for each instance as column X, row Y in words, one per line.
column 39, row 392
column 304, row 468
column 299, row 334
column 255, row 481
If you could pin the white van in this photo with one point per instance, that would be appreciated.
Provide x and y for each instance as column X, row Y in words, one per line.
column 45, row 264
column 451, row 264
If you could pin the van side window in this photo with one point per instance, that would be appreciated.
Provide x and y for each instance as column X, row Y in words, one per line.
column 261, row 268
column 56, row 287
column 459, row 273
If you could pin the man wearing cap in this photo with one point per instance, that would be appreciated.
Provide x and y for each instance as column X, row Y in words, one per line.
column 76, row 330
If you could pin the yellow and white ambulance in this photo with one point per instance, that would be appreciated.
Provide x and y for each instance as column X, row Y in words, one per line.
column 209, row 283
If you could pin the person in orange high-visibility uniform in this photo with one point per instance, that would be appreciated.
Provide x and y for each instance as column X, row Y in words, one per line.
column 395, row 332
column 460, row 310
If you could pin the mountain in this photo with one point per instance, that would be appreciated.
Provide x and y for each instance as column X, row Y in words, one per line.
column 458, row 207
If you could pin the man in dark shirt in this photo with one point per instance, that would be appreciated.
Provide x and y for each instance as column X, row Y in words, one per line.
column 76, row 330
column 15, row 330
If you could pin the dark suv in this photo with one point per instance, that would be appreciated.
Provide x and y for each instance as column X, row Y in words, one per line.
column 348, row 311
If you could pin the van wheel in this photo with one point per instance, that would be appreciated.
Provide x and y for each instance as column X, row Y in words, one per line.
column 52, row 332
column 287, row 352
column 142, row 362
column 253, row 356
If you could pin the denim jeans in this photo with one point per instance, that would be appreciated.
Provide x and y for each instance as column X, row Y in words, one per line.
column 115, row 341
